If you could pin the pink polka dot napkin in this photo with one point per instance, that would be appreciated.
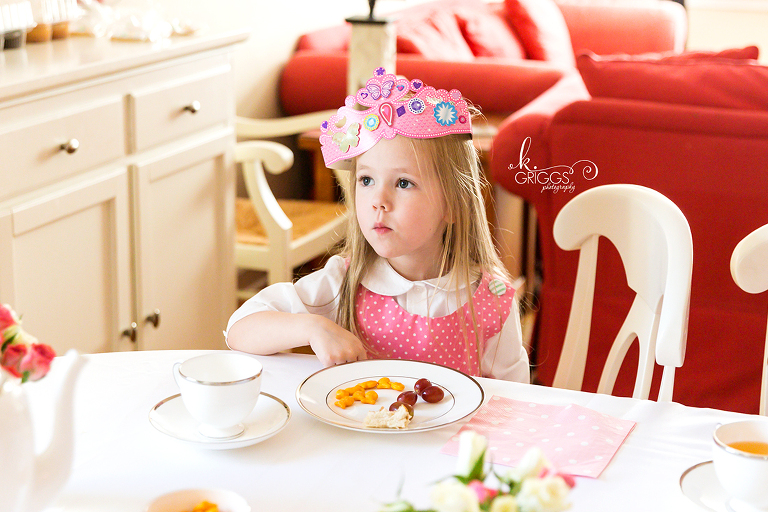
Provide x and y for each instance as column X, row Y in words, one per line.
column 575, row 439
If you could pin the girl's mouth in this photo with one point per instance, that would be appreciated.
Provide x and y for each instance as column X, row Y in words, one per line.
column 381, row 228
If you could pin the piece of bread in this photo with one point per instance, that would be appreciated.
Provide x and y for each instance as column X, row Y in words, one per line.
column 387, row 419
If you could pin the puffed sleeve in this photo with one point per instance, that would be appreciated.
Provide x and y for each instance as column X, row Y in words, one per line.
column 316, row 293
column 505, row 356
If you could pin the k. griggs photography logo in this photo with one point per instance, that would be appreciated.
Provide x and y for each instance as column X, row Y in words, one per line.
column 556, row 178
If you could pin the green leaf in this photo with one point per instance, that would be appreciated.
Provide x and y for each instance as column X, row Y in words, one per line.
column 8, row 342
column 24, row 376
column 477, row 472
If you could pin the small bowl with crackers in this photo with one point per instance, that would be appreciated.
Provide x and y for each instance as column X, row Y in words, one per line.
column 200, row 500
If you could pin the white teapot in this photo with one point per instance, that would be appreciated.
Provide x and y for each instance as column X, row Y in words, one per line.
column 29, row 481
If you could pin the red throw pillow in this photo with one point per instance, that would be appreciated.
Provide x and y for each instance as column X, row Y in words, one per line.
column 541, row 28
column 435, row 35
column 487, row 34
column 748, row 52
column 710, row 79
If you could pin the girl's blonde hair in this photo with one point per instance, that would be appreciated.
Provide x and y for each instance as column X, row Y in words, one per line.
column 467, row 241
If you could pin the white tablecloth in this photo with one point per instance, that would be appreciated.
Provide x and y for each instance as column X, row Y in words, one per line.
column 122, row 462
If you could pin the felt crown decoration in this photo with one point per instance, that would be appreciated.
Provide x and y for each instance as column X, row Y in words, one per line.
column 426, row 114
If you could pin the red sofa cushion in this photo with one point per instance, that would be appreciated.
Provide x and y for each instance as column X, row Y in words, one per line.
column 487, row 34
column 435, row 35
column 541, row 27
column 701, row 79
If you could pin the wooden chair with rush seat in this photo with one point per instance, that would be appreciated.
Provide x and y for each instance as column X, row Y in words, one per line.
column 277, row 235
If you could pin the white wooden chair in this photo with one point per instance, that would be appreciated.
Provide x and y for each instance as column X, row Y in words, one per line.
column 749, row 268
column 653, row 239
column 273, row 235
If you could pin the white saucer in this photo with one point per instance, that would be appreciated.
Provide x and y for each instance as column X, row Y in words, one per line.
column 267, row 419
column 701, row 485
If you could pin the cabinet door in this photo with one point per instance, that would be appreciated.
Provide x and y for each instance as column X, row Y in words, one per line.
column 185, row 233
column 66, row 263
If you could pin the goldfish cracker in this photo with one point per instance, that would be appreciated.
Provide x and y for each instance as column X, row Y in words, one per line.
column 206, row 506
column 344, row 402
column 341, row 394
column 384, row 383
column 397, row 386
column 358, row 395
column 369, row 384
column 370, row 397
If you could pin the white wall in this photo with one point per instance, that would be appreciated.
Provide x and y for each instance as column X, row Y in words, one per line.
column 275, row 27
column 718, row 24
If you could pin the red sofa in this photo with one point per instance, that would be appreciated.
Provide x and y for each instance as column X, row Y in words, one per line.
column 500, row 55
column 695, row 128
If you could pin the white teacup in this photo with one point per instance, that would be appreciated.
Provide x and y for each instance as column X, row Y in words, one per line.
column 219, row 390
column 743, row 469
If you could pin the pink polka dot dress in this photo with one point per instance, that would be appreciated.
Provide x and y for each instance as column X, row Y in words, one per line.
column 393, row 333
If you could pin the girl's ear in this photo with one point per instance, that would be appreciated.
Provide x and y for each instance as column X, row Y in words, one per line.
column 448, row 214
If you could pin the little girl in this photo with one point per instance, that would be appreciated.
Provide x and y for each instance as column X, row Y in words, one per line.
column 418, row 276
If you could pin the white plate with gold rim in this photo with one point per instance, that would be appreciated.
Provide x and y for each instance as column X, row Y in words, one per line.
column 317, row 394
column 268, row 418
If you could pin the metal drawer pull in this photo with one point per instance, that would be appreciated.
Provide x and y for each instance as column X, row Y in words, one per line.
column 70, row 146
column 193, row 107
column 130, row 332
column 154, row 318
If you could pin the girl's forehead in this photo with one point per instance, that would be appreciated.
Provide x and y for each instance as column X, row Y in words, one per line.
column 395, row 155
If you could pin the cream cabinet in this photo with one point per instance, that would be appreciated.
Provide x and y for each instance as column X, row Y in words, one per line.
column 117, row 192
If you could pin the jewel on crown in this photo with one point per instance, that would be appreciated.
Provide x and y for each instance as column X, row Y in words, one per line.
column 395, row 106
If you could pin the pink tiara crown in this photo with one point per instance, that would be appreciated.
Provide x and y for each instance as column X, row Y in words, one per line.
column 428, row 113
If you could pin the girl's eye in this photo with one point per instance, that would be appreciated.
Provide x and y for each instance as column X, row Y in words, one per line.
column 365, row 180
column 403, row 183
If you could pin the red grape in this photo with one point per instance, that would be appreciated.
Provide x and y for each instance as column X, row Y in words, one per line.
column 396, row 405
column 420, row 385
column 432, row 394
column 408, row 397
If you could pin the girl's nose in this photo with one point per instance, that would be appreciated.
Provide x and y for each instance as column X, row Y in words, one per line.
column 381, row 201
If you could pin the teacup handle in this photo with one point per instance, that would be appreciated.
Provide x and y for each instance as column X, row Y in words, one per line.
column 176, row 372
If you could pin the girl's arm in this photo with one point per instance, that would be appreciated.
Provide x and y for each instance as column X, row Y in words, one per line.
column 288, row 315
column 505, row 357
column 267, row 332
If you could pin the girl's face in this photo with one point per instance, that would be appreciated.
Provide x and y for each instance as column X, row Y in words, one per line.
column 401, row 212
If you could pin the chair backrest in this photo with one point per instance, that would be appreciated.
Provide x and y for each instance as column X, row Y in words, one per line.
column 749, row 268
column 653, row 238
column 321, row 224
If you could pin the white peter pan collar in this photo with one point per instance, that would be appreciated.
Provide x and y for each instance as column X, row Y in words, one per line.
column 382, row 279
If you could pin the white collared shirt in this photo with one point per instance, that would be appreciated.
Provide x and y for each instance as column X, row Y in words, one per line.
column 504, row 357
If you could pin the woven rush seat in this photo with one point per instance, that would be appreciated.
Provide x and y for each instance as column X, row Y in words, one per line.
column 306, row 216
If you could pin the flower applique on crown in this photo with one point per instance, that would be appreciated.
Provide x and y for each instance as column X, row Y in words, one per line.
column 425, row 114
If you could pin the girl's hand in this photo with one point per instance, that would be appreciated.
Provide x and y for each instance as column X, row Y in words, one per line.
column 333, row 344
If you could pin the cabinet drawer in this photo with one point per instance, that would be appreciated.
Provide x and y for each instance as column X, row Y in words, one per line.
column 181, row 108
column 34, row 150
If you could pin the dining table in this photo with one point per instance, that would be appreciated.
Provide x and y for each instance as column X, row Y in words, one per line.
column 122, row 461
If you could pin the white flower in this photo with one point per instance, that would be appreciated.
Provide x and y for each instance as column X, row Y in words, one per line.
column 543, row 494
column 453, row 496
column 24, row 337
column 530, row 465
column 471, row 447
column 504, row 503
column 11, row 331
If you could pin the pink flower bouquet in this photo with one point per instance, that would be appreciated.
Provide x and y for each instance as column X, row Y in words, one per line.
column 533, row 486
column 21, row 355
